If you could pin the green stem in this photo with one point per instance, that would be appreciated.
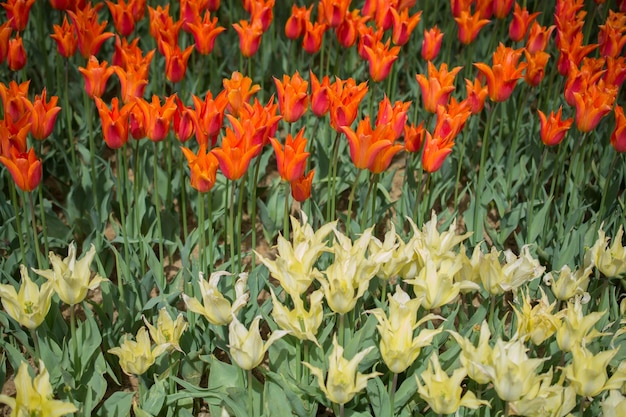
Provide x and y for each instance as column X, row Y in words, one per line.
column 201, row 230
column 606, row 187
column 253, row 209
column 33, row 334
column 33, row 219
column 92, row 153
column 373, row 196
column 136, row 186
column 357, row 180
column 393, row 383
column 210, row 217
column 514, row 144
column 120, row 199
column 341, row 329
column 568, row 184
column 250, row 397
column 364, row 211
column 231, row 223
column 287, row 212
column 183, row 202
column 18, row 220
column 157, row 206
column 67, row 110
column 531, row 202
column 239, row 220
column 330, row 212
column 73, row 336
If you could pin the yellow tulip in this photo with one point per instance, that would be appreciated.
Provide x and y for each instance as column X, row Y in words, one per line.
column 137, row 356
column 392, row 254
column 476, row 359
column 515, row 272
column 577, row 329
column 215, row 307
column 31, row 304
column 443, row 392
column 70, row 278
column 33, row 397
column 512, row 373
column 167, row 331
column 546, row 399
column 294, row 265
column 440, row 246
column 343, row 381
column 587, row 372
column 299, row 322
column 610, row 261
column 469, row 271
column 398, row 346
column 568, row 284
column 246, row 346
column 614, row 405
column 537, row 322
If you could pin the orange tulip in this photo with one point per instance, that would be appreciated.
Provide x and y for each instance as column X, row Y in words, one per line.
column 5, row 35
column 615, row 71
column 190, row 12
column 249, row 37
column 205, row 32
column 235, row 154
column 618, row 137
column 333, row 11
column 501, row 8
column 296, row 23
column 291, row 159
column 209, row 116
column 381, row 57
column 203, row 167
column 612, row 35
column 175, row 60
column 90, row 34
column 130, row 57
column 469, row 26
column 435, row 153
column 320, row 95
column 122, row 15
column 292, row 97
column 15, row 100
column 593, row 104
column 64, row 38
column 137, row 121
column 301, row 188
column 476, row 95
column 25, row 168
column 553, row 128
column 43, row 115
column 17, row 13
column 414, row 137
column 239, row 90
column 162, row 26
column 504, row 73
column 345, row 98
column 96, row 76
column 262, row 13
column 13, row 135
column 132, row 84
column 451, row 120
column 577, row 80
column 114, row 122
column 403, row 25
column 520, row 23
column 16, row 58
column 184, row 117
column 538, row 37
column 431, row 44
column 157, row 117
column 370, row 148
column 347, row 32
column 571, row 54
column 458, row 6
column 536, row 67
column 257, row 123
column 395, row 116
column 313, row 35
column 436, row 89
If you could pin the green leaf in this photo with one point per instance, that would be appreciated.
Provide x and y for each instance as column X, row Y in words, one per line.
column 116, row 405
column 153, row 402
column 379, row 397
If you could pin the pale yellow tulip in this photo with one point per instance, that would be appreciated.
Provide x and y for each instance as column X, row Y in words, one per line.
column 611, row 261
column 136, row 356
column 167, row 331
column 536, row 322
column 246, row 346
column 575, row 328
column 33, row 397
column 546, row 399
column 516, row 271
column 31, row 304
column 614, row 405
column 476, row 359
column 587, row 372
column 299, row 322
column 71, row 278
column 566, row 284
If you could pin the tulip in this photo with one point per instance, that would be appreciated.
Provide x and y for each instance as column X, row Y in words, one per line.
column 122, row 16
column 203, row 167
column 205, row 32
column 215, row 307
column 414, row 137
column 167, row 332
column 516, row 271
column 334, row 11
column 64, row 38
column 157, row 116
column 370, row 148
column 512, row 372
column 435, row 153
column 403, row 25
column 398, row 346
column 618, row 137
column 538, row 37
column 25, row 168
column 262, row 13
column 610, row 261
column 114, row 122
column 235, row 154
column 343, row 381
column 566, row 284
column 501, row 8
column 96, row 76
column 614, row 405
column 313, row 35
column 593, row 104
column 13, row 135
column 431, row 44
column 43, row 115
column 209, row 116
column 587, row 372
column 30, row 306
column 5, row 35
column 239, row 90
column 572, row 53
column 162, row 27
column 301, row 188
column 469, row 26
column 183, row 122
column 536, row 322
column 34, row 396
column 89, row 33
column 546, row 399
column 504, row 73
column 299, row 322
column 345, row 98
column 296, row 23
column 536, row 67
column 292, row 97
column 437, row 88
column 476, row 95
column 368, row 36
column 18, row 12
column 15, row 100
column 577, row 329
column 136, row 356
column 294, row 265
column 190, row 12
column 612, row 36
column 175, row 60
column 246, row 346
column 553, row 128
column 476, row 359
column 520, row 23
column 347, row 32
column 320, row 95
column 71, row 278
column 249, row 37
column 381, row 57
column 395, row 116
column 443, row 392
column 16, row 57
column 291, row 159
